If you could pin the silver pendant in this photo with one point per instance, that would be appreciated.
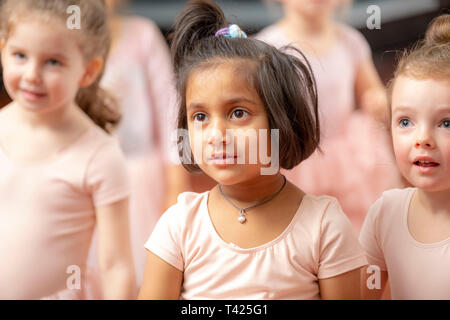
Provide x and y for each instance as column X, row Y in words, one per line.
column 241, row 217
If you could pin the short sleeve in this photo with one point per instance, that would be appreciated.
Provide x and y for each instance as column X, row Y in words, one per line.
column 369, row 236
column 106, row 175
column 340, row 250
column 164, row 240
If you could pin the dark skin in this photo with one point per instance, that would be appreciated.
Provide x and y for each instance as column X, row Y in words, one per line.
column 164, row 281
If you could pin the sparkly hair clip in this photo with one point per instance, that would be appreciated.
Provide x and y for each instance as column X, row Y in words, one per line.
column 232, row 31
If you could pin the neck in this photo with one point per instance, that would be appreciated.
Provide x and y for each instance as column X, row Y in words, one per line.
column 434, row 202
column 304, row 26
column 56, row 119
column 254, row 190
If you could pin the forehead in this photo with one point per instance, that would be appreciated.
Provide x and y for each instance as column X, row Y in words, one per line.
column 420, row 94
column 42, row 34
column 221, row 77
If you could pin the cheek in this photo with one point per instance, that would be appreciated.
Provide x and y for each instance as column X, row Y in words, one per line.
column 446, row 153
column 11, row 77
column 402, row 147
column 62, row 86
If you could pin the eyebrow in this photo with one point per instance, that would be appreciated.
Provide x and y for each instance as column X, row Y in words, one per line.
column 402, row 109
column 227, row 102
column 53, row 55
column 438, row 110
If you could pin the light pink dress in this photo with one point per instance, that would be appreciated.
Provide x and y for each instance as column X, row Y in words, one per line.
column 318, row 243
column 139, row 74
column 357, row 164
column 47, row 217
column 416, row 270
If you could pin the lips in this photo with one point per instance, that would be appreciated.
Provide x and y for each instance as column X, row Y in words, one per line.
column 221, row 156
column 32, row 94
column 425, row 161
column 222, row 159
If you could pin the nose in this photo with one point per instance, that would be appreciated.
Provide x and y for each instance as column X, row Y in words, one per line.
column 217, row 133
column 424, row 139
column 32, row 74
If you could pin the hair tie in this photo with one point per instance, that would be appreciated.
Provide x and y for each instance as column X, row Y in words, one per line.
column 232, row 31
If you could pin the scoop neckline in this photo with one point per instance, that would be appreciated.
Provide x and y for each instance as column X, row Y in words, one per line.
column 48, row 159
column 263, row 246
column 407, row 205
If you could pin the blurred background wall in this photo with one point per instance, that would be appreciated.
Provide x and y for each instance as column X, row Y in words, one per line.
column 402, row 22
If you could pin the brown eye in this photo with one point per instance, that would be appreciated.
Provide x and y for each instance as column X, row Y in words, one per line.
column 239, row 113
column 199, row 117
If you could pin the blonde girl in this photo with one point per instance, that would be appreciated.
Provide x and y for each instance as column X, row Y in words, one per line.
column 61, row 173
column 406, row 234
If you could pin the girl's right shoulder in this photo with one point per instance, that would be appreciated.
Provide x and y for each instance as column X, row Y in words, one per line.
column 388, row 211
column 188, row 205
column 391, row 202
column 186, row 214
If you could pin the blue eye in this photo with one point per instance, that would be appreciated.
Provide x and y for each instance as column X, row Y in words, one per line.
column 446, row 124
column 404, row 123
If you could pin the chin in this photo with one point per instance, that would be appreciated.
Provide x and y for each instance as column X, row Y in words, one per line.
column 232, row 175
column 431, row 186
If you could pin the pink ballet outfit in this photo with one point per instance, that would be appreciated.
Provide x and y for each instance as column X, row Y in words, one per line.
column 139, row 74
column 416, row 270
column 357, row 164
column 47, row 217
column 318, row 243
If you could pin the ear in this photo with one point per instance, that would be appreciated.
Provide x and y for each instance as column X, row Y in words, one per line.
column 93, row 69
column 2, row 44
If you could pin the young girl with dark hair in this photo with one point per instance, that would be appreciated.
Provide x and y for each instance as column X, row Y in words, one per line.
column 254, row 235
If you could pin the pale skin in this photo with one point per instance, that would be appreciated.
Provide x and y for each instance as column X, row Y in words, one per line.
column 177, row 179
column 45, row 59
column 421, row 128
column 234, row 105
column 311, row 23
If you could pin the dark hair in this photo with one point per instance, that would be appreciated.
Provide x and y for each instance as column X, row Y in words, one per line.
column 95, row 40
column 284, row 82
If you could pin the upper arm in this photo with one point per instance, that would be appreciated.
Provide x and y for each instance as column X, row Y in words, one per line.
column 370, row 92
column 161, row 281
column 343, row 286
column 114, row 246
column 373, row 283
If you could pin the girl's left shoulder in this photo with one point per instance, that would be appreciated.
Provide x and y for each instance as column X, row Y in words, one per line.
column 321, row 211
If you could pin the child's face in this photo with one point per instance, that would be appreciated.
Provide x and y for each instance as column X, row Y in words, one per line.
column 43, row 65
column 220, row 102
column 312, row 8
column 421, row 131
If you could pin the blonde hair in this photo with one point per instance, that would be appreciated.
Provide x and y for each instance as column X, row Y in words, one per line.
column 428, row 58
column 95, row 41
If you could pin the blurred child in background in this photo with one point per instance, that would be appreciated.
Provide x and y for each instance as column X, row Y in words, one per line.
column 61, row 174
column 139, row 73
column 356, row 164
